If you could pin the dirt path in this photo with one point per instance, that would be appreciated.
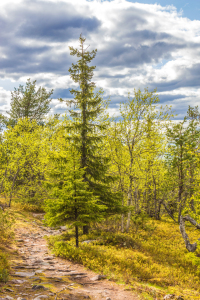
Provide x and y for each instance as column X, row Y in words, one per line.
column 37, row 274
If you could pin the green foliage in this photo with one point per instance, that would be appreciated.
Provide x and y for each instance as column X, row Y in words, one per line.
column 6, row 235
column 6, row 223
column 71, row 200
column 182, row 160
column 23, row 162
column 88, row 129
column 29, row 103
column 136, row 144
column 4, row 267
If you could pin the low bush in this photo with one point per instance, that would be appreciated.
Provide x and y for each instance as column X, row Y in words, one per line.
column 4, row 267
column 6, row 222
column 28, row 207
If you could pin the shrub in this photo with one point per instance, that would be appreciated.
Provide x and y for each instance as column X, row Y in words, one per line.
column 4, row 267
column 6, row 222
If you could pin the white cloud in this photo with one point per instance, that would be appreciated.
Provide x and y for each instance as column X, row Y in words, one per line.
column 139, row 45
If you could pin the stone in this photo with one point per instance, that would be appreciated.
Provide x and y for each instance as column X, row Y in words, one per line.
column 63, row 228
column 169, row 296
column 88, row 241
column 41, row 297
column 38, row 287
column 48, row 258
column 108, row 298
column 25, row 274
column 7, row 298
column 74, row 274
column 9, row 290
column 80, row 276
column 39, row 271
column 20, row 267
column 98, row 277
column 38, row 261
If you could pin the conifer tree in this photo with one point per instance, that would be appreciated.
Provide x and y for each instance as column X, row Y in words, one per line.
column 70, row 201
column 29, row 103
column 87, row 127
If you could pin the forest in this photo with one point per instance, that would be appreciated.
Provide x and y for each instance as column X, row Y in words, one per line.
column 129, row 184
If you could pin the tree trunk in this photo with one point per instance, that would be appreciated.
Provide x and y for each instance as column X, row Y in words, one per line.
column 130, row 212
column 14, row 179
column 180, row 188
column 122, row 223
column 189, row 247
column 77, row 241
column 168, row 210
column 85, row 229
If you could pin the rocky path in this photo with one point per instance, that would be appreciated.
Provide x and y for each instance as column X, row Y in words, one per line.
column 37, row 274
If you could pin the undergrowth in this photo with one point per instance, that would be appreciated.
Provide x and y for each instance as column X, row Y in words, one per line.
column 4, row 267
column 152, row 261
column 6, row 235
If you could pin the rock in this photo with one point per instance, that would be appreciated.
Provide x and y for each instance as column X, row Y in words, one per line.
column 37, row 278
column 80, row 276
column 7, row 298
column 38, row 287
column 9, row 290
column 19, row 298
column 25, row 274
column 76, row 297
column 39, row 271
column 169, row 296
column 20, row 267
column 74, row 274
column 41, row 297
column 179, row 298
column 48, row 258
column 99, row 277
column 63, row 228
column 38, row 261
column 108, row 298
column 88, row 241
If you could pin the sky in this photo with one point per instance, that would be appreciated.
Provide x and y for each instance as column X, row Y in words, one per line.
column 140, row 44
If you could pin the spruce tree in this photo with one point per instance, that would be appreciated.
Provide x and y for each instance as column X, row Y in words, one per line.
column 87, row 130
column 70, row 199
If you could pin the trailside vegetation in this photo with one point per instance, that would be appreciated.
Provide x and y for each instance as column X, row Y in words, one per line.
column 132, row 182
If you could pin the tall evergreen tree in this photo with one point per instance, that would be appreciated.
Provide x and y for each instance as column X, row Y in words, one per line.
column 87, row 128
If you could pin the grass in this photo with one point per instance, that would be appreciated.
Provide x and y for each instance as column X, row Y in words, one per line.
column 4, row 267
column 6, row 236
column 152, row 262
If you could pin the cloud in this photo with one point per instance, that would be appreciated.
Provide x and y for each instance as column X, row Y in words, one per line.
column 139, row 45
